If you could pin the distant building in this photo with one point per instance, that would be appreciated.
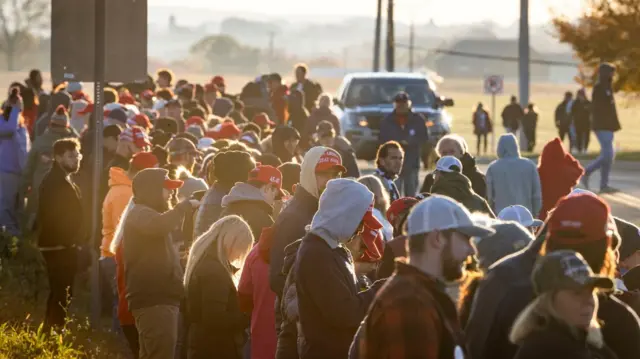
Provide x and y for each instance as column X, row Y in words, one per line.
column 449, row 65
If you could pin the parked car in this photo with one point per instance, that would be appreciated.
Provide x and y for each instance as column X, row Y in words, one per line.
column 365, row 99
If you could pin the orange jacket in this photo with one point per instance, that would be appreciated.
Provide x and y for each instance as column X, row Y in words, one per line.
column 115, row 202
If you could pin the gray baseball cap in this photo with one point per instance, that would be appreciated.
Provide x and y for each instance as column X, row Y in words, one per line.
column 565, row 269
column 439, row 213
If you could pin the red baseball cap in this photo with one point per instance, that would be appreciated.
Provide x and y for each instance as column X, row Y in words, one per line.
column 587, row 215
column 195, row 120
column 228, row 130
column 143, row 160
column 372, row 240
column 141, row 120
column 400, row 206
column 262, row 120
column 126, row 99
column 86, row 110
column 267, row 175
column 172, row 184
column 330, row 160
column 218, row 81
column 370, row 220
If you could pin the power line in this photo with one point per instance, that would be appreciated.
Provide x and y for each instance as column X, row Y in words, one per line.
column 488, row 57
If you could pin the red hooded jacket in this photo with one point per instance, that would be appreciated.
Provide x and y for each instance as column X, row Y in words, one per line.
column 559, row 173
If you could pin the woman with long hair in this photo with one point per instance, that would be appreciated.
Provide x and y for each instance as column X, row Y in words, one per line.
column 381, row 203
column 561, row 322
column 216, row 324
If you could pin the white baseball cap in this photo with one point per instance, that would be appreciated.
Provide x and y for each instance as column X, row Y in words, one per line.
column 439, row 213
column 449, row 164
column 519, row 214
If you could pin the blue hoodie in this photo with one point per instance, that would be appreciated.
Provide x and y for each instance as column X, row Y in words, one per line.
column 512, row 179
column 14, row 144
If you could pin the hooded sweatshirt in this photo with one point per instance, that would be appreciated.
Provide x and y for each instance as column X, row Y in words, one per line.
column 290, row 224
column 329, row 304
column 57, row 99
column 113, row 207
column 559, row 173
column 153, row 274
column 512, row 179
column 14, row 143
column 458, row 187
column 248, row 202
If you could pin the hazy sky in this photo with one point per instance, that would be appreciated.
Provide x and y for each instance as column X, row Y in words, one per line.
column 443, row 11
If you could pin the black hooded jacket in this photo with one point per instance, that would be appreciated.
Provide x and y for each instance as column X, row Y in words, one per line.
column 458, row 187
column 470, row 170
column 153, row 274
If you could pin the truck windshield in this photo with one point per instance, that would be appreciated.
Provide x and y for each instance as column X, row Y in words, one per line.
column 379, row 91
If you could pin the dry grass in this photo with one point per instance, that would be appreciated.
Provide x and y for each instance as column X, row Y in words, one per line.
column 467, row 94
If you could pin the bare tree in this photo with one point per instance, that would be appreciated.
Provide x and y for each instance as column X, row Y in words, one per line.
column 20, row 21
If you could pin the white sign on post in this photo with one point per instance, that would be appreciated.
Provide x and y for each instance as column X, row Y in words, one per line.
column 493, row 84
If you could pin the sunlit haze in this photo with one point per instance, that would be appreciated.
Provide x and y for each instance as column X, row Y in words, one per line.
column 503, row 12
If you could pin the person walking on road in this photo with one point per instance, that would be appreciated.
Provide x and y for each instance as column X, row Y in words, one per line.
column 605, row 124
column 562, row 321
column 389, row 160
column 530, row 126
column 563, row 117
column 61, row 228
column 412, row 316
column 581, row 114
column 329, row 302
column 153, row 274
column 482, row 127
column 410, row 130
column 512, row 179
column 512, row 115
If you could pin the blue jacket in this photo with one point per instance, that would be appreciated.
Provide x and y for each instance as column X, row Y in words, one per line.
column 14, row 144
column 411, row 137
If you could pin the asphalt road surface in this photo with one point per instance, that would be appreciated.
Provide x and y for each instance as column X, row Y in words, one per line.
column 625, row 177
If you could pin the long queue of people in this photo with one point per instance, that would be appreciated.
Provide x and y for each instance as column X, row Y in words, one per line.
column 224, row 237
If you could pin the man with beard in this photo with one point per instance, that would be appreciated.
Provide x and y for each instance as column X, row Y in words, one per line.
column 412, row 316
column 389, row 161
column 60, row 220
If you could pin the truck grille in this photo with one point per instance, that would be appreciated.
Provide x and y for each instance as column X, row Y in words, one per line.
column 374, row 121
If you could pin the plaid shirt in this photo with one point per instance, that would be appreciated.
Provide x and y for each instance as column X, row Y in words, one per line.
column 406, row 319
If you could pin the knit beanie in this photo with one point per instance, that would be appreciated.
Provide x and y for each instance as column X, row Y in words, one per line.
column 60, row 118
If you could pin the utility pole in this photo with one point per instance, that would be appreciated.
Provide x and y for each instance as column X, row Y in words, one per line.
column 272, row 35
column 376, row 41
column 411, row 46
column 523, row 62
column 391, row 46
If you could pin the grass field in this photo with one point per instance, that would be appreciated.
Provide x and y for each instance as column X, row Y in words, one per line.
column 467, row 94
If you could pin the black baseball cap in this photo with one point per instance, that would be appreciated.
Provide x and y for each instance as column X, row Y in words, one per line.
column 566, row 269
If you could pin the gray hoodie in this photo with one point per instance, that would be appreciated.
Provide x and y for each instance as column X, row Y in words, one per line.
column 513, row 180
column 248, row 202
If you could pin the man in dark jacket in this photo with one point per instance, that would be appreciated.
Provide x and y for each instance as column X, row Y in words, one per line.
column 327, row 137
column 228, row 169
column 455, row 145
column 563, row 116
column 511, row 116
column 605, row 124
column 450, row 182
column 413, row 316
column 153, row 274
column 310, row 89
column 329, row 303
column 389, row 159
column 507, row 289
column 320, row 165
column 61, row 227
column 253, row 201
column 581, row 114
column 410, row 130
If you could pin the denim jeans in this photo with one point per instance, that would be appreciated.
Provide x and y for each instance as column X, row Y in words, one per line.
column 9, row 203
column 408, row 181
column 605, row 160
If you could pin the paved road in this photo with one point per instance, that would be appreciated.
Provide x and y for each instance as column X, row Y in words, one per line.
column 625, row 176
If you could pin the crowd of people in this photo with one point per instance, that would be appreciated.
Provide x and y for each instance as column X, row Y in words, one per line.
column 240, row 226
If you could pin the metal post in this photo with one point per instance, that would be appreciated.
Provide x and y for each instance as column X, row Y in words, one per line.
column 523, row 62
column 376, row 41
column 495, row 117
column 390, row 38
column 411, row 46
column 100, row 44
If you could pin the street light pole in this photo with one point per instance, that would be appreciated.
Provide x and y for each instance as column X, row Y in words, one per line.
column 376, row 41
column 390, row 38
column 523, row 64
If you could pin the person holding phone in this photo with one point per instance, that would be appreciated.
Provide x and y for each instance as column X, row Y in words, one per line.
column 14, row 147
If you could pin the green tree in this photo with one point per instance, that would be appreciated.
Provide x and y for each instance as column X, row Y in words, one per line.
column 606, row 31
column 224, row 53
column 19, row 20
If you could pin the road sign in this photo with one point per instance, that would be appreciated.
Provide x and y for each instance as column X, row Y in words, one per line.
column 493, row 84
